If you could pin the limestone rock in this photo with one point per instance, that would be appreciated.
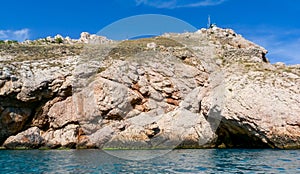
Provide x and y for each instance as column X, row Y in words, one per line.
column 262, row 105
column 30, row 138
column 92, row 39
column 12, row 120
column 211, row 88
column 65, row 137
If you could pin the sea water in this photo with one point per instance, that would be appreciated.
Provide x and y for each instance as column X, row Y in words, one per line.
column 175, row 161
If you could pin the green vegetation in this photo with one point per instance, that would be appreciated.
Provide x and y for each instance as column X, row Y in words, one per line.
column 9, row 42
column 59, row 40
column 101, row 69
column 12, row 42
column 45, row 40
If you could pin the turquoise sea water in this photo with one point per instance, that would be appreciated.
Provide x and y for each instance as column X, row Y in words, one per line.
column 176, row 161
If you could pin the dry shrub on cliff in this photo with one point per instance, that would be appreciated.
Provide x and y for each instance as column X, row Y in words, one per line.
column 22, row 52
column 129, row 48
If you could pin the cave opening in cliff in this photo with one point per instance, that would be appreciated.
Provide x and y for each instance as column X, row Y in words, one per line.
column 231, row 135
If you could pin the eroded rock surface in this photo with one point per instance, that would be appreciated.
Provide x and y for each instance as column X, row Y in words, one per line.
column 211, row 88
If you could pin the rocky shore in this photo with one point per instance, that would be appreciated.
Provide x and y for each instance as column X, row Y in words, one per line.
column 208, row 89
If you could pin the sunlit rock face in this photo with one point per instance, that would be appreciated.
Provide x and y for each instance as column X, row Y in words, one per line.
column 208, row 89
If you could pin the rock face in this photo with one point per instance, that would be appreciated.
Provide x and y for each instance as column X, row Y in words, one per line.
column 211, row 88
column 30, row 138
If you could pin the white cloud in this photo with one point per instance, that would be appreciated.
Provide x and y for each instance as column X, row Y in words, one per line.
column 179, row 3
column 19, row 35
column 205, row 3
column 2, row 34
column 283, row 44
column 287, row 52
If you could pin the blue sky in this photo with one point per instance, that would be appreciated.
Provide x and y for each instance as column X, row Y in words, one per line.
column 274, row 24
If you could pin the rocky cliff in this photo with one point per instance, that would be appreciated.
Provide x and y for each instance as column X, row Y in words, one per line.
column 207, row 89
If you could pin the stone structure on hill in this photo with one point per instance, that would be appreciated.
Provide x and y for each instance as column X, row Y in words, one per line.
column 208, row 89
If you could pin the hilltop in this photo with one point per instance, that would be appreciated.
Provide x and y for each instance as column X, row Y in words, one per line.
column 208, row 89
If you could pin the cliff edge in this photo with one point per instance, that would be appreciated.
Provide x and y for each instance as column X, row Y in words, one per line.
column 208, row 89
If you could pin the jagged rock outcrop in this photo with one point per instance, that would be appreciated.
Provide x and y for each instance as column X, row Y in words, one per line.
column 85, row 38
column 211, row 88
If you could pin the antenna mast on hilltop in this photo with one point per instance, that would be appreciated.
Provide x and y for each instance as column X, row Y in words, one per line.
column 208, row 22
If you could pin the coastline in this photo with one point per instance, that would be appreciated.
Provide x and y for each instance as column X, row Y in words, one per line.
column 212, row 88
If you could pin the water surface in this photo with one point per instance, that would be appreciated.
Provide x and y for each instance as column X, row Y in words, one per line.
column 176, row 161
